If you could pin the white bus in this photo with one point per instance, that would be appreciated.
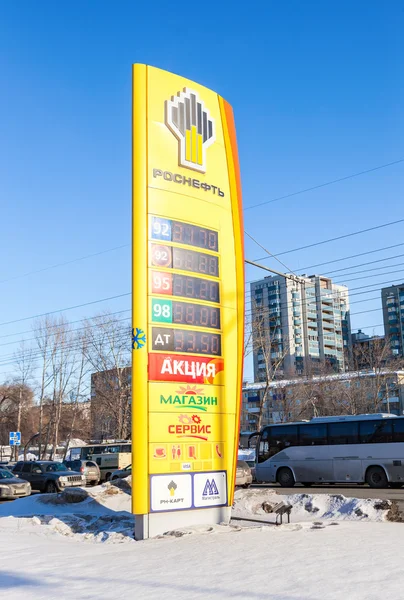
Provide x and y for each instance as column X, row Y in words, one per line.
column 108, row 456
column 358, row 449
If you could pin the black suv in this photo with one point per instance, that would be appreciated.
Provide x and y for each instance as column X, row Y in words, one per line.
column 48, row 476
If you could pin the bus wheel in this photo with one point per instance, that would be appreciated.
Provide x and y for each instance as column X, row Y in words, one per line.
column 285, row 477
column 376, row 477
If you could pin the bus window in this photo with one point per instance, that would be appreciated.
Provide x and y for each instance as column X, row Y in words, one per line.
column 112, row 449
column 281, row 437
column 343, row 433
column 313, row 435
column 398, row 427
column 376, row 432
column 86, row 451
column 126, row 448
column 263, row 451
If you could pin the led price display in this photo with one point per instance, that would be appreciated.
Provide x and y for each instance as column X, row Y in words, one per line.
column 184, row 260
column 184, row 313
column 188, row 260
column 185, row 286
column 183, row 340
column 196, row 314
column 184, row 233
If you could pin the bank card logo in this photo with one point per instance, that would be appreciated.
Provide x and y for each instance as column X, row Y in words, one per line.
column 189, row 120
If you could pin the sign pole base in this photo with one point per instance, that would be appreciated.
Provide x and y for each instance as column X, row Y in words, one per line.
column 141, row 527
column 154, row 524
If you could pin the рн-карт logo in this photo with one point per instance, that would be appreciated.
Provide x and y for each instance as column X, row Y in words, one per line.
column 190, row 122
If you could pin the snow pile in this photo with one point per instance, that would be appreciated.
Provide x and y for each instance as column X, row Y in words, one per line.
column 29, row 456
column 309, row 507
column 74, row 443
column 99, row 514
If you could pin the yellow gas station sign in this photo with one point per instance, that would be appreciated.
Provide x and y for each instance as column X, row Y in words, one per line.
column 188, row 303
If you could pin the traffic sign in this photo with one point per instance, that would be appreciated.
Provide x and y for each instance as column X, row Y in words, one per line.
column 15, row 438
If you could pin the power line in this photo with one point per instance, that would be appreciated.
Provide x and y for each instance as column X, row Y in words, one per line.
column 72, row 330
column 64, row 309
column 375, row 275
column 321, row 185
column 340, row 237
column 328, row 262
column 57, row 325
column 268, row 252
column 62, row 264
column 370, row 262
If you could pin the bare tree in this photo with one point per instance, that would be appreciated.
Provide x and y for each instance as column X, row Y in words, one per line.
column 24, row 365
column 271, row 349
column 63, row 364
column 108, row 352
column 44, row 336
column 82, row 340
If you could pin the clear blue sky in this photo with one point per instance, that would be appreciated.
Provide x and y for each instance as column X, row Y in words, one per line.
column 317, row 90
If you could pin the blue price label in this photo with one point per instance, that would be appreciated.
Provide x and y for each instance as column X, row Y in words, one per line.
column 161, row 229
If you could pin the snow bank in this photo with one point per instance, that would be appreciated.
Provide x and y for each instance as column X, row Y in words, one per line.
column 309, row 507
column 29, row 456
column 103, row 513
column 99, row 514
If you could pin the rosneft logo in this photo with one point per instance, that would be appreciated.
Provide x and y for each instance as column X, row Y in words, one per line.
column 190, row 122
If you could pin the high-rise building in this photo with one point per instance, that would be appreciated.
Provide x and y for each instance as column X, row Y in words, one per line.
column 393, row 317
column 299, row 325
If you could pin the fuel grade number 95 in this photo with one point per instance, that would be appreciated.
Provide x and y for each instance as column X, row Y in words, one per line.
column 183, row 340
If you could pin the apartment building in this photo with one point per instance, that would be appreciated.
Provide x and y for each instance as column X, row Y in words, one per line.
column 305, row 322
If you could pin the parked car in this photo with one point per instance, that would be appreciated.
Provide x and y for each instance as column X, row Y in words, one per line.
column 86, row 467
column 12, row 486
column 48, row 476
column 243, row 474
column 6, row 465
column 251, row 464
column 121, row 473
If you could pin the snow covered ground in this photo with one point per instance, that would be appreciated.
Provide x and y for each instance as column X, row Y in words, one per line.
column 309, row 507
column 345, row 550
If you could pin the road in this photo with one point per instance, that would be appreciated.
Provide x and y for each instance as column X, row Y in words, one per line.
column 351, row 491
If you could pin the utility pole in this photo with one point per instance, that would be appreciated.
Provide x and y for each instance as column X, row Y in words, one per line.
column 387, row 395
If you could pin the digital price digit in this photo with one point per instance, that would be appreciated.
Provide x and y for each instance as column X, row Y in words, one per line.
column 198, row 315
column 193, row 287
column 189, row 260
